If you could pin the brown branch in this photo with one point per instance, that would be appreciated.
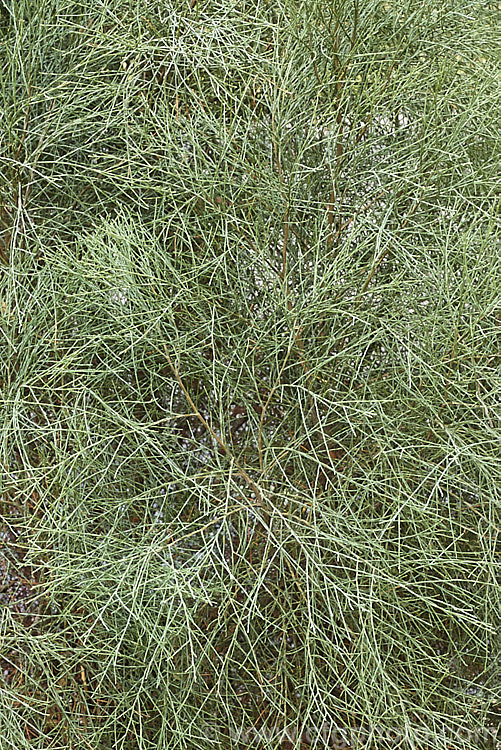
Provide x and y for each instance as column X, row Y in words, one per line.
column 226, row 451
column 263, row 410
column 284, row 256
column 355, row 26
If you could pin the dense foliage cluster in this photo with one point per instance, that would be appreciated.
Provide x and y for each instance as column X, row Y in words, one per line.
column 249, row 372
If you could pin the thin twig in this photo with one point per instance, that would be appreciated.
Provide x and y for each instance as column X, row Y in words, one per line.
column 226, row 451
